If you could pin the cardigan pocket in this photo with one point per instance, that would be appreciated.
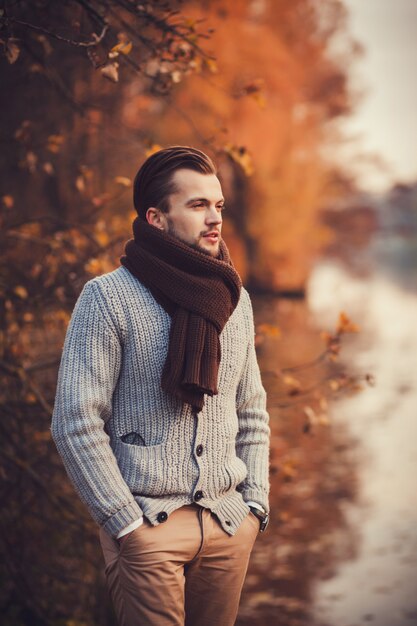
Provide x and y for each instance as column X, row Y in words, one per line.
column 142, row 467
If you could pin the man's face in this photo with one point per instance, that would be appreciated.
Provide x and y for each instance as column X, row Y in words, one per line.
column 195, row 214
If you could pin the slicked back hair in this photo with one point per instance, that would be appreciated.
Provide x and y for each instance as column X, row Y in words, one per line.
column 153, row 183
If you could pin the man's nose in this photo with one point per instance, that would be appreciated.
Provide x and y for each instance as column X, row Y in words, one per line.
column 213, row 216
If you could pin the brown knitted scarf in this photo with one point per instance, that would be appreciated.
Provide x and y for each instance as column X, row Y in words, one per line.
column 199, row 292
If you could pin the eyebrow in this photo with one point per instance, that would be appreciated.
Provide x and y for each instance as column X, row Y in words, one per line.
column 192, row 200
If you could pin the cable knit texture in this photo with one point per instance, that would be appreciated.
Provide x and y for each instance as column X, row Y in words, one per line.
column 129, row 448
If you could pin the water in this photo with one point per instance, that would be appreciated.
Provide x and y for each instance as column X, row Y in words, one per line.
column 380, row 583
column 341, row 549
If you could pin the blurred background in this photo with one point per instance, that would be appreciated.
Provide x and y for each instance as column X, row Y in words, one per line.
column 309, row 110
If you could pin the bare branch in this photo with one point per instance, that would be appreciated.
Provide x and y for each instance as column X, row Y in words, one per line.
column 79, row 44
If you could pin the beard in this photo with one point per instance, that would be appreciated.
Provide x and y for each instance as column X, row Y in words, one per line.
column 171, row 231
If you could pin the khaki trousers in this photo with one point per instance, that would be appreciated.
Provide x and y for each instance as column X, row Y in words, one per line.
column 185, row 571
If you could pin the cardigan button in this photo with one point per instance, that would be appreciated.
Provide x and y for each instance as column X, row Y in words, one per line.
column 198, row 495
column 227, row 522
column 199, row 450
column 162, row 516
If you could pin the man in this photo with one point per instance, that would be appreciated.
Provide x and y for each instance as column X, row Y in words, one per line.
column 160, row 414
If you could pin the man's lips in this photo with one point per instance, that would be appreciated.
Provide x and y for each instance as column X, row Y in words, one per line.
column 212, row 236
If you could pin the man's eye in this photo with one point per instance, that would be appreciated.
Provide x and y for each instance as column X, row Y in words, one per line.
column 222, row 207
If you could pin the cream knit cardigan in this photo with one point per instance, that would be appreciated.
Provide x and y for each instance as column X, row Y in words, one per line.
column 128, row 447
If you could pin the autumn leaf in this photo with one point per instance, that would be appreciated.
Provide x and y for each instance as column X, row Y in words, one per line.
column 11, row 50
column 48, row 168
column 111, row 71
column 154, row 148
column 8, row 201
column 289, row 469
column 259, row 99
column 98, row 201
column 123, row 180
column 93, row 266
column 21, row 292
column 190, row 23
column 54, row 143
column 121, row 48
column 196, row 64
column 240, row 155
column 80, row 184
column 44, row 435
column 61, row 315
column 254, row 89
column 211, row 65
column 102, row 238
column 269, row 329
column 311, row 415
column 293, row 384
column 345, row 325
column 29, row 161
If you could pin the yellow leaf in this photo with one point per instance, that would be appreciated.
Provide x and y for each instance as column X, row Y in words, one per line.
column 293, row 384
column 87, row 172
column 102, row 238
column 54, row 143
column 80, row 183
column 259, row 99
column 123, row 180
column 93, row 266
column 345, row 325
column 21, row 291
column 254, row 89
column 61, row 315
column 211, row 65
column 196, row 64
column 8, row 201
column 269, row 329
column 240, row 155
column 121, row 48
column 154, row 148
column 310, row 414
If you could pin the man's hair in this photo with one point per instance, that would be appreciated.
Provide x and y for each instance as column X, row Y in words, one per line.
column 153, row 183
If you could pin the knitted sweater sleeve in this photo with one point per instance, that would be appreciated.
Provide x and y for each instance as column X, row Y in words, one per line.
column 253, row 438
column 87, row 376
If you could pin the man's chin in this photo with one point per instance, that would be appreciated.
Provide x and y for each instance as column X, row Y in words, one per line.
column 213, row 252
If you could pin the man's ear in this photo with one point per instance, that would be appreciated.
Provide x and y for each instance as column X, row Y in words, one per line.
column 155, row 217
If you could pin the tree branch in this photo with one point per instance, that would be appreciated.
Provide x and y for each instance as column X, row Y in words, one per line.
column 79, row 44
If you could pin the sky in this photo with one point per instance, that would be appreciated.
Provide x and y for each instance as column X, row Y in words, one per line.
column 385, row 122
